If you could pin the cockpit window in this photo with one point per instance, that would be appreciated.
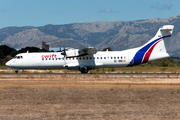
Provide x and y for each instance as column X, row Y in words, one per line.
column 18, row 57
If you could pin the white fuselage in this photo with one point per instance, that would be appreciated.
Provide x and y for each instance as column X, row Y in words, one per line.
column 88, row 59
column 52, row 60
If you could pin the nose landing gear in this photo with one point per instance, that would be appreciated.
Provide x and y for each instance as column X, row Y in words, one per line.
column 16, row 71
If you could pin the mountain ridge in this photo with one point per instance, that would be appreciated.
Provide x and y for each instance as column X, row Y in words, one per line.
column 118, row 35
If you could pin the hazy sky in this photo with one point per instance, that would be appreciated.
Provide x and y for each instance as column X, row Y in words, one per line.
column 58, row 12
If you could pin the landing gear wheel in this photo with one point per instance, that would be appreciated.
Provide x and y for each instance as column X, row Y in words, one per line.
column 84, row 70
column 16, row 71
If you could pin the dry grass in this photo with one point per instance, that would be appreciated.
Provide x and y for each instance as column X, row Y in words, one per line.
column 67, row 96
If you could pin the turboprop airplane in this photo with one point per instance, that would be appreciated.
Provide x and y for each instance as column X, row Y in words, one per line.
column 89, row 58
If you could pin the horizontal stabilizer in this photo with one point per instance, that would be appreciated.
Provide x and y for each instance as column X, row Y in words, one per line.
column 167, row 28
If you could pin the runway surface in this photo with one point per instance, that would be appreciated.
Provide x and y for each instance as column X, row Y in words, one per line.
column 99, row 74
column 107, row 78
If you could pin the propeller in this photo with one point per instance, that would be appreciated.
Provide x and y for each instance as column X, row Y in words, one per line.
column 60, row 48
column 64, row 53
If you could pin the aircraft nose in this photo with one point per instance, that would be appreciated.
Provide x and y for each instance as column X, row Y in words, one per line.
column 8, row 64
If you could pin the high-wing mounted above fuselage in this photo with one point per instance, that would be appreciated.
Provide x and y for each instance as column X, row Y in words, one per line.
column 89, row 58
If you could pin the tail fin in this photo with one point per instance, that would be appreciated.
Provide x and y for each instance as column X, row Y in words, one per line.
column 160, row 42
column 156, row 48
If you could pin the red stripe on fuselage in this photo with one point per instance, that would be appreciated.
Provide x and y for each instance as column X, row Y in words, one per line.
column 148, row 53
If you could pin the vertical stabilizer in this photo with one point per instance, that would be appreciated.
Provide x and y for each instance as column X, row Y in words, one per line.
column 164, row 33
column 157, row 46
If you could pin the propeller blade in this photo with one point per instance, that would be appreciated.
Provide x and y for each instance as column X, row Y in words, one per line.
column 64, row 53
column 60, row 48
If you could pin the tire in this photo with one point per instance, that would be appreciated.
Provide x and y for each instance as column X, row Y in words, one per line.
column 84, row 70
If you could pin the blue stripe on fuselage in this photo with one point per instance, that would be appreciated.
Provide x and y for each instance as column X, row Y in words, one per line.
column 140, row 54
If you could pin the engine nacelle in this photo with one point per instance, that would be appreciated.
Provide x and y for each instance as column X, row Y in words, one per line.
column 72, row 53
column 77, row 52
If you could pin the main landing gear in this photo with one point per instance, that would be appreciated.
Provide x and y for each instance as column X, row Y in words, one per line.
column 84, row 70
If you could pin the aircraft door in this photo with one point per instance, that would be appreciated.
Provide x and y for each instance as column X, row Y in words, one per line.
column 131, row 59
